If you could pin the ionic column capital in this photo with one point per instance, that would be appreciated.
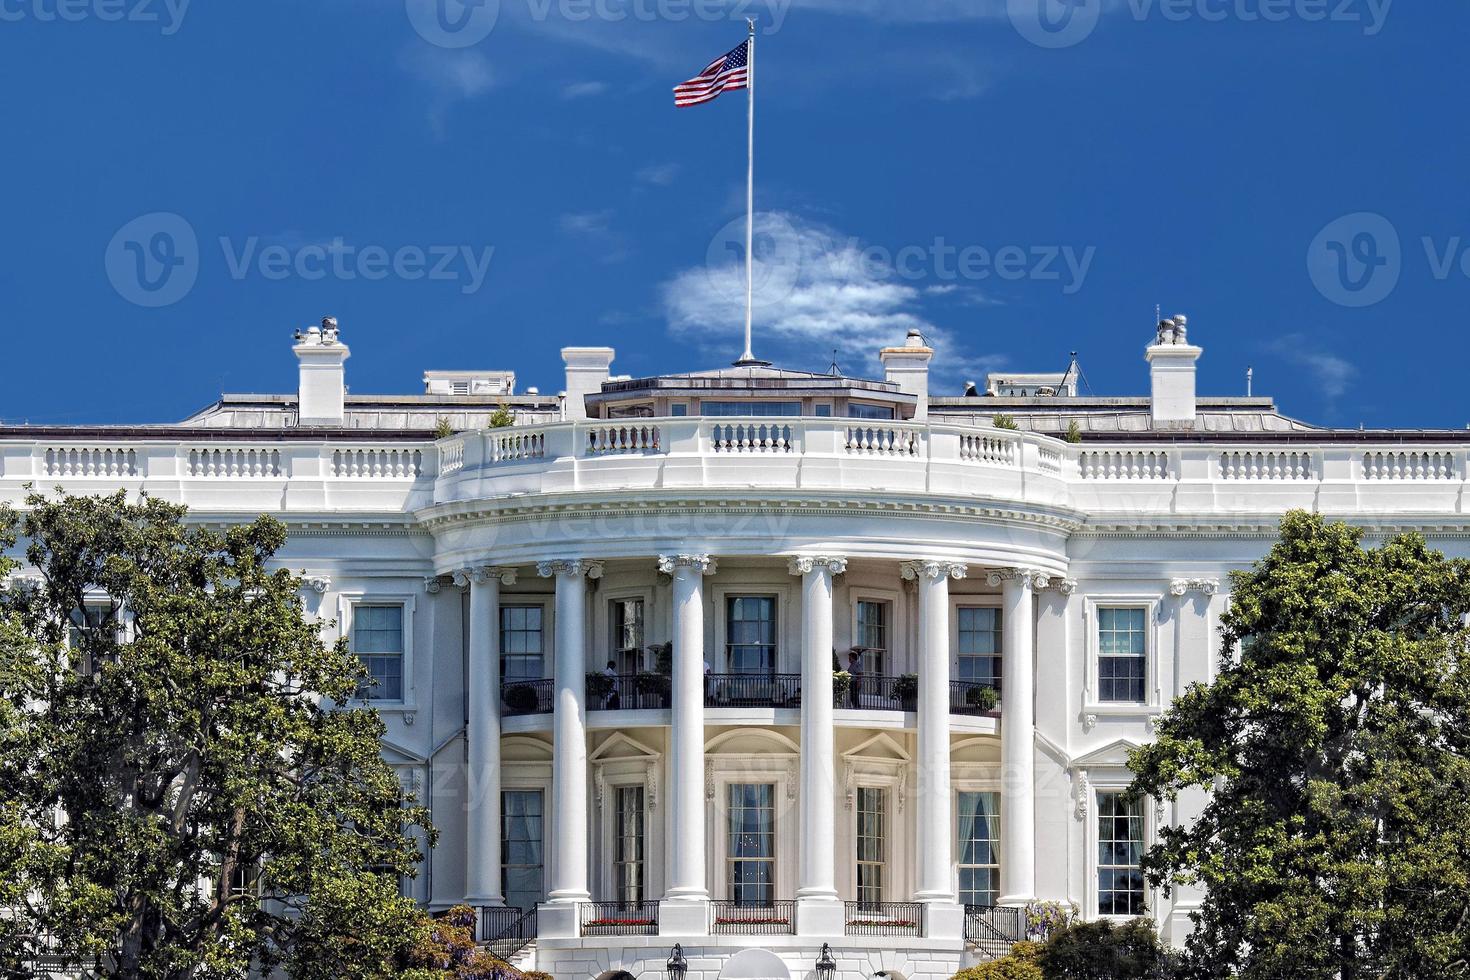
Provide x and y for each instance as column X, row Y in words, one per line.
column 1066, row 586
column 933, row 570
column 802, row 564
column 483, row 574
column 1029, row 578
column 668, row 564
column 575, row 567
column 1204, row 586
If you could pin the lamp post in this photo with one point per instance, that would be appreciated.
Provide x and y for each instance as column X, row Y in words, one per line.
column 677, row 965
column 826, row 965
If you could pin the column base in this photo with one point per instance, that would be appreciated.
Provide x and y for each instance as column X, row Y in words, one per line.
column 820, row 917
column 1015, row 901
column 683, row 917
column 944, row 920
column 558, row 920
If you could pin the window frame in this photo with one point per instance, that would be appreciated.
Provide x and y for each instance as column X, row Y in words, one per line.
column 616, row 861
column 896, row 626
column 977, row 601
column 773, row 861
column 1092, row 703
column 723, row 622
column 548, row 640
column 548, row 834
column 607, row 624
column 886, row 834
column 347, row 605
column 1100, row 783
column 998, row 852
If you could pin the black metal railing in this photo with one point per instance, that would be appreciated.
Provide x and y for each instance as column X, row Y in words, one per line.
column 878, row 692
column 517, row 932
column 742, row 919
column 752, row 690
column 627, row 692
column 527, row 697
column 993, row 929
column 618, row 918
column 973, row 697
column 882, row 918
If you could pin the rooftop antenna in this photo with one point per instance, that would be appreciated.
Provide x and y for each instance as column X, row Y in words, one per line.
column 834, row 370
column 1068, row 373
column 1250, row 375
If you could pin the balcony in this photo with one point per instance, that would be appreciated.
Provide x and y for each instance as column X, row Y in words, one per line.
column 777, row 918
column 618, row 918
column 882, row 918
column 652, row 692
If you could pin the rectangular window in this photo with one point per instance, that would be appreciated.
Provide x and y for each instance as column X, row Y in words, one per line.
column 857, row 410
column 377, row 639
column 751, row 854
column 750, row 627
column 872, row 635
column 522, row 637
column 979, row 646
column 1122, row 655
column 627, row 638
column 871, row 840
column 979, row 848
column 522, row 828
column 628, row 845
column 750, row 409
column 678, row 411
column 1119, row 855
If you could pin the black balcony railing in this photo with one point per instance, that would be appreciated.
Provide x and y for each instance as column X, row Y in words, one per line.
column 752, row 690
column 993, row 930
column 507, row 931
column 627, row 692
column 526, row 697
column 878, row 692
column 883, row 918
column 741, row 919
column 618, row 918
column 973, row 697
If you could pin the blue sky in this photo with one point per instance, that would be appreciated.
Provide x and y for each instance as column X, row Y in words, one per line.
column 1289, row 173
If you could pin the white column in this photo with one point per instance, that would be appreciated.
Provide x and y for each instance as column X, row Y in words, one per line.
column 569, row 724
column 688, row 890
column 482, row 827
column 1018, row 733
column 936, row 832
column 819, row 909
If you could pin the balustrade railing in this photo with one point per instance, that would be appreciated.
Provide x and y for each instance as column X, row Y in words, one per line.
column 878, row 692
column 1410, row 465
column 628, row 692
column 506, row 931
column 993, row 929
column 880, row 439
column 104, row 462
column 882, row 918
column 526, row 697
column 753, row 437
column 973, row 697
column 621, row 438
column 618, row 918
column 235, row 463
column 377, row 464
column 766, row 919
column 752, row 690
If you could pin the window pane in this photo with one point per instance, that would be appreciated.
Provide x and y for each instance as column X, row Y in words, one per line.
column 1122, row 647
column 871, row 839
column 750, row 409
column 1120, row 885
column 521, row 847
column 979, row 848
column 521, row 639
column 750, row 627
column 628, row 845
column 377, row 639
column 751, row 849
column 979, row 646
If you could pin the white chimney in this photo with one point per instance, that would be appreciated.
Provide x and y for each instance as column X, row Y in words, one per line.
column 908, row 367
column 1171, row 368
column 321, row 391
column 587, row 369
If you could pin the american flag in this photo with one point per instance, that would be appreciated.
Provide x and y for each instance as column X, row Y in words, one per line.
column 726, row 73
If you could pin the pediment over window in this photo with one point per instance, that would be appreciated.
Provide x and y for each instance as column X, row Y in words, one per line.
column 880, row 748
column 397, row 755
column 1112, row 754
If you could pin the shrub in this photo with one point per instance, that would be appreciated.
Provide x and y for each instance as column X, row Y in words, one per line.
column 502, row 418
column 649, row 683
column 1045, row 918
column 522, row 697
column 1100, row 949
column 906, row 687
column 983, row 698
column 1005, row 968
column 663, row 658
column 1004, row 421
column 841, row 686
column 1074, row 432
column 442, row 428
column 599, row 686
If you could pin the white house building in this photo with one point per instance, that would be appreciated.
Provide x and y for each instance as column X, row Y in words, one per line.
column 604, row 797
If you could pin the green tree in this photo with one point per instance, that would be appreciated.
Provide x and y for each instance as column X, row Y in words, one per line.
column 217, row 811
column 1103, row 951
column 1336, row 741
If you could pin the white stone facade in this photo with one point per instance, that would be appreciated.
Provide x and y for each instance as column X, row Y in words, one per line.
column 486, row 574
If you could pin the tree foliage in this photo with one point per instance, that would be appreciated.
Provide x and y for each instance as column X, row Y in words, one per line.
column 1104, row 951
column 1336, row 742
column 180, row 793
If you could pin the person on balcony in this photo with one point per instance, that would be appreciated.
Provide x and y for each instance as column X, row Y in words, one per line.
column 855, row 669
column 614, row 699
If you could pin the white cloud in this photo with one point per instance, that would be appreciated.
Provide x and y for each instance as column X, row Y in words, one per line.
column 815, row 289
column 659, row 174
column 1333, row 374
column 583, row 90
column 594, row 228
column 454, row 74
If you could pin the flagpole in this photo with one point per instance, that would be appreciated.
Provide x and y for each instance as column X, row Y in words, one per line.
column 749, row 357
